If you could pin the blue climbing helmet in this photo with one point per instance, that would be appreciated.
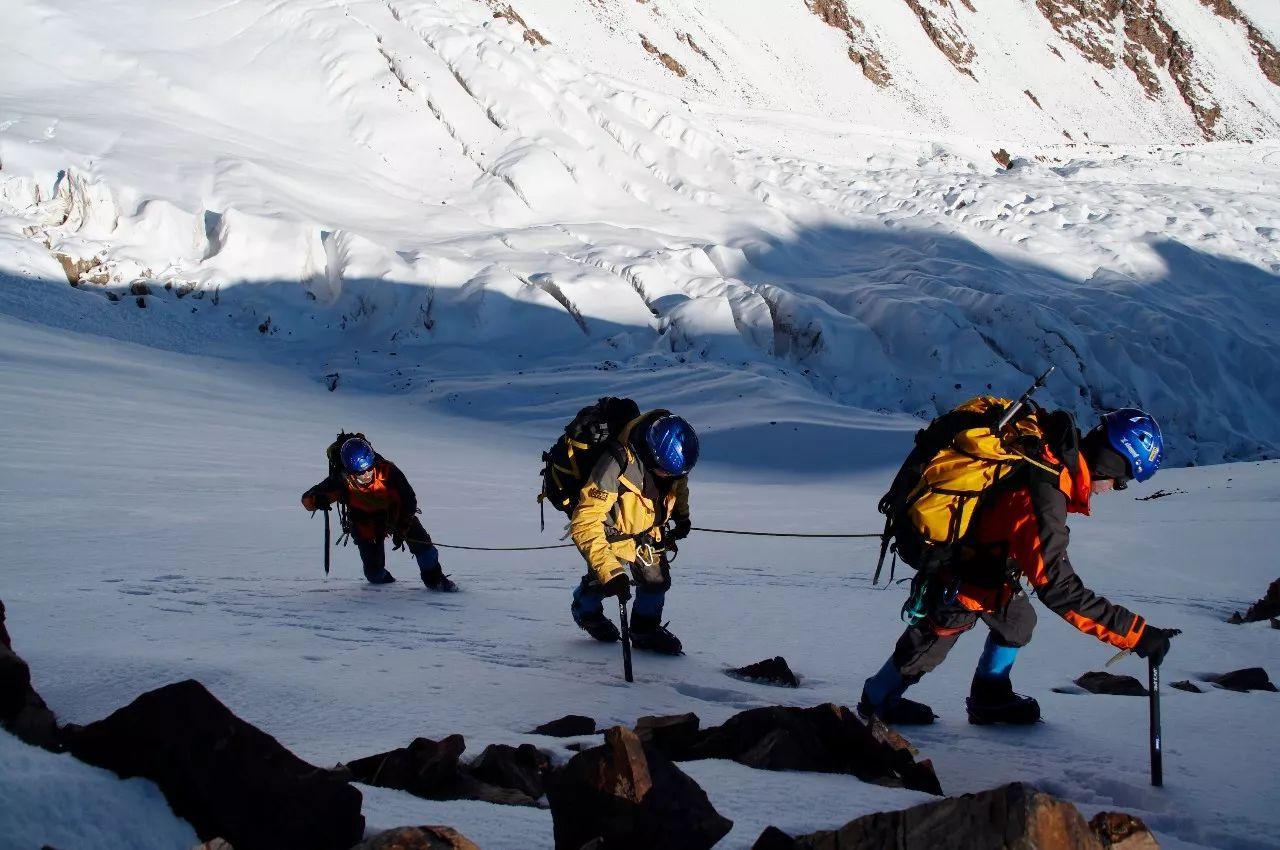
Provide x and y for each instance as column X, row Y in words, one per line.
column 672, row 444
column 1136, row 437
column 357, row 456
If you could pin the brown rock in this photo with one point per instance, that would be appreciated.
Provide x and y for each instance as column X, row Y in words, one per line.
column 665, row 58
column 418, row 838
column 520, row 768
column 824, row 739
column 22, row 711
column 1011, row 817
column 1100, row 682
column 771, row 671
column 226, row 777
column 1119, row 831
column 431, row 770
column 569, row 726
column 672, row 735
column 630, row 797
column 1002, row 157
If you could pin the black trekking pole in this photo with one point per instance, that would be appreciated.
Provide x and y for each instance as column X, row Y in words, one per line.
column 1157, row 757
column 326, row 541
column 626, row 639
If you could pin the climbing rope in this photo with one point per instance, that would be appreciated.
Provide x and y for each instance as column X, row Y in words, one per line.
column 694, row 528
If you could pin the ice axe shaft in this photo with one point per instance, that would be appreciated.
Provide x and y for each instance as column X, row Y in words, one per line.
column 326, row 541
column 626, row 640
column 1022, row 401
column 1157, row 756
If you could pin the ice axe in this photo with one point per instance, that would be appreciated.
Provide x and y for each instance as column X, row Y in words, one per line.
column 326, row 541
column 1153, row 703
column 626, row 639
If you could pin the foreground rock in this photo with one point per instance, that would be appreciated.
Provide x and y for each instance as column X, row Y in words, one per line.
column 226, row 777
column 1099, row 682
column 22, row 711
column 1243, row 681
column 569, row 726
column 419, row 838
column 1015, row 817
column 771, row 671
column 824, row 739
column 672, row 735
column 1264, row 609
column 1120, row 831
column 432, row 770
column 628, row 796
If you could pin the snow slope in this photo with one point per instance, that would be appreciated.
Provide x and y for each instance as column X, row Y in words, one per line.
column 468, row 235
column 152, row 533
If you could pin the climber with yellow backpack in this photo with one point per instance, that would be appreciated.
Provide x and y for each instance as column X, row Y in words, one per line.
column 980, row 504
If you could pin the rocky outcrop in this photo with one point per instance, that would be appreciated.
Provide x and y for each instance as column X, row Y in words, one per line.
column 1188, row 686
column 628, row 796
column 1263, row 50
column 938, row 18
column 1137, row 34
column 672, row 735
column 433, row 770
column 1100, row 682
column 862, row 51
column 771, row 671
column 22, row 711
column 1265, row 608
column 1015, row 816
column 666, row 59
column 223, row 775
column 418, row 838
column 824, row 739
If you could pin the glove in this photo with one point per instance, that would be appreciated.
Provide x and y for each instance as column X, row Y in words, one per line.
column 1154, row 644
column 397, row 540
column 680, row 529
column 314, row 503
column 619, row 586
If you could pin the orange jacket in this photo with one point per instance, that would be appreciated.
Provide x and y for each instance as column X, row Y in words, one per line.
column 1023, row 529
column 387, row 503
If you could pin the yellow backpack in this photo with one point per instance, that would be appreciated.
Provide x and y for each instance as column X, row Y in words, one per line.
column 955, row 462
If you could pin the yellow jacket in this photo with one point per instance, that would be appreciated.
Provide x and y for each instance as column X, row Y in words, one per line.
column 622, row 499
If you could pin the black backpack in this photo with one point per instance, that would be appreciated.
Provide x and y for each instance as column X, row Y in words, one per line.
column 334, row 455
column 593, row 431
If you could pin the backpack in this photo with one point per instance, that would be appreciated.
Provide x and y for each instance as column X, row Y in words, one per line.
column 588, row 435
column 957, row 460
column 334, row 455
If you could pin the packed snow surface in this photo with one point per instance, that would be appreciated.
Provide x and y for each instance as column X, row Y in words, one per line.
column 404, row 218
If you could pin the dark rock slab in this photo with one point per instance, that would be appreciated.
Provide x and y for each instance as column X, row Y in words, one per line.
column 521, row 768
column 1243, row 681
column 22, row 711
column 672, row 735
column 432, row 770
column 419, row 838
column 227, row 778
column 569, row 726
column 774, row 839
column 771, row 671
column 1120, row 831
column 1275, row 624
column 1188, row 686
column 1015, row 816
column 1100, row 682
column 627, row 796
column 824, row 739
column 1264, row 609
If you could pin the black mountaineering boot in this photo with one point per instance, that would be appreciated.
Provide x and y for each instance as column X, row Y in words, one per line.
column 993, row 701
column 897, row 712
column 646, row 633
column 439, row 582
column 599, row 627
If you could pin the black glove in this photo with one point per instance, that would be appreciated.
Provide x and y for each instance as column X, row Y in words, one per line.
column 680, row 529
column 1154, row 644
column 619, row 586
column 397, row 539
